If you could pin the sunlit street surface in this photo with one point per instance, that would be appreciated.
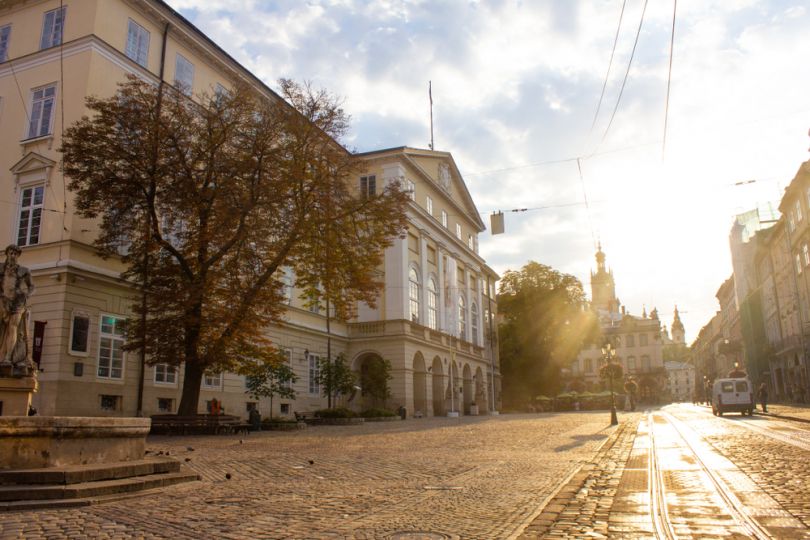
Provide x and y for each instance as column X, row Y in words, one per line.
column 673, row 472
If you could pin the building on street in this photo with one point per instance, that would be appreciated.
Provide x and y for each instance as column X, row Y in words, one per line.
column 434, row 319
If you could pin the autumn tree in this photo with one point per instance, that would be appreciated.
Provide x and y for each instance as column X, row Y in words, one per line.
column 214, row 196
column 543, row 329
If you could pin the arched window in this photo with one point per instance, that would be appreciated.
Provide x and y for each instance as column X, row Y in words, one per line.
column 474, row 322
column 413, row 288
column 462, row 318
column 433, row 304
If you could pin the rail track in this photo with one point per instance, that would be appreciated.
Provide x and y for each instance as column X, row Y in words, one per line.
column 698, row 452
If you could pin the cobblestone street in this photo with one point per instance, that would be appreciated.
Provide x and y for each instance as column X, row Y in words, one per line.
column 475, row 477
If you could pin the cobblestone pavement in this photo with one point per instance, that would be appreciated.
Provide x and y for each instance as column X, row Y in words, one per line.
column 582, row 506
column 475, row 477
column 781, row 470
column 765, row 476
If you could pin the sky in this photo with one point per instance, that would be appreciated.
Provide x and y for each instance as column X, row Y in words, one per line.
column 516, row 88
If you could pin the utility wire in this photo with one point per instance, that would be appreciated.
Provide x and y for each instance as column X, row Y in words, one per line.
column 626, row 73
column 585, row 197
column 669, row 79
column 610, row 64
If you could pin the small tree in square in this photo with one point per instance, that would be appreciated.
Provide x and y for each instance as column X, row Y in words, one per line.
column 269, row 379
column 374, row 376
column 336, row 378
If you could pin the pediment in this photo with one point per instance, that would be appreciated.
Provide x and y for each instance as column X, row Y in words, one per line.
column 32, row 161
column 443, row 172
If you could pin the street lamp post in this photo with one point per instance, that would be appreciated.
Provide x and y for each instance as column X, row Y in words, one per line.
column 610, row 354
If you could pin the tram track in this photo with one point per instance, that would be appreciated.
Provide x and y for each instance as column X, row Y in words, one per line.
column 659, row 511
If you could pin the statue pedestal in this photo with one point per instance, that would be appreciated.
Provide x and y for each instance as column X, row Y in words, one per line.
column 15, row 395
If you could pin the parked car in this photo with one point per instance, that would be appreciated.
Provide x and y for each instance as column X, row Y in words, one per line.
column 732, row 395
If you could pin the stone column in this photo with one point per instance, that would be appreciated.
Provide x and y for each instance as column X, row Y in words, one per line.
column 424, row 277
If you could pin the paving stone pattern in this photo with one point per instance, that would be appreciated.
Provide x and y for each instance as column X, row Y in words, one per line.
column 582, row 507
column 474, row 477
column 780, row 469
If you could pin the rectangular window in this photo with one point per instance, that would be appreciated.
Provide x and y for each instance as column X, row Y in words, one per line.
column 79, row 333
column 470, row 242
column 642, row 340
column 444, row 219
column 429, row 205
column 183, row 74
column 137, row 43
column 42, row 105
column 212, row 381
column 798, row 264
column 458, row 231
column 588, row 365
column 287, row 281
column 368, row 185
column 798, row 211
column 111, row 347
column 165, row 374
column 791, row 222
column 630, row 340
column 5, row 35
column 165, row 405
column 52, row 25
column 287, row 354
column 110, row 403
column 806, row 254
column 410, row 188
column 285, row 409
column 413, row 243
column 314, row 374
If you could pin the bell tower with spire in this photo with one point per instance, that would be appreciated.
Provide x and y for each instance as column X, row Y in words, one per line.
column 603, row 287
column 678, row 332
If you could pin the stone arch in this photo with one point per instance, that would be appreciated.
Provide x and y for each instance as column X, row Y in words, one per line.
column 438, row 386
column 420, row 403
column 480, row 383
column 467, row 388
column 363, row 365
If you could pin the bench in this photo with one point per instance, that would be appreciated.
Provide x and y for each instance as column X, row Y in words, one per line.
column 173, row 424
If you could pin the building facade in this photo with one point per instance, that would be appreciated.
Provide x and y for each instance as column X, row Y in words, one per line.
column 638, row 340
column 434, row 315
column 680, row 380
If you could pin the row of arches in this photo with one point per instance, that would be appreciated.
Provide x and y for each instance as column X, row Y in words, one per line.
column 436, row 392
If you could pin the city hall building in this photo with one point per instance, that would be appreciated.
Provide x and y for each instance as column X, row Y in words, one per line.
column 434, row 319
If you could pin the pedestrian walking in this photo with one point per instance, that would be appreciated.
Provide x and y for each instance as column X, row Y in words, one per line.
column 762, row 396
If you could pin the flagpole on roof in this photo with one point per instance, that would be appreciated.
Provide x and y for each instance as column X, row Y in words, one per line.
column 430, row 97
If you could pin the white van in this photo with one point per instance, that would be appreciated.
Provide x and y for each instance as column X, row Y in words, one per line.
column 732, row 395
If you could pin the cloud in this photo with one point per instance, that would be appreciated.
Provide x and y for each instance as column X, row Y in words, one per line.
column 517, row 83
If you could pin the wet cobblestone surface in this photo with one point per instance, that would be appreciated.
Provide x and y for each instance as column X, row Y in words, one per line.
column 779, row 469
column 475, row 477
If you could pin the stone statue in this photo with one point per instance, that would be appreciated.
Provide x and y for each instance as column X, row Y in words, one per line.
column 17, row 287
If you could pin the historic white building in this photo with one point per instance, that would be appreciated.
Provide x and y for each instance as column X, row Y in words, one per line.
column 680, row 380
column 433, row 321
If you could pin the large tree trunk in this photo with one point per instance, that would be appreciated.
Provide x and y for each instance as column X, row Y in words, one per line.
column 191, row 388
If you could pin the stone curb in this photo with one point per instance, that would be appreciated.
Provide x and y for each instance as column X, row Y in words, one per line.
column 554, row 504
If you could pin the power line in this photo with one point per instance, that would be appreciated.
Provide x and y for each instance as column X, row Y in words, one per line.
column 626, row 73
column 587, row 206
column 669, row 78
column 610, row 64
